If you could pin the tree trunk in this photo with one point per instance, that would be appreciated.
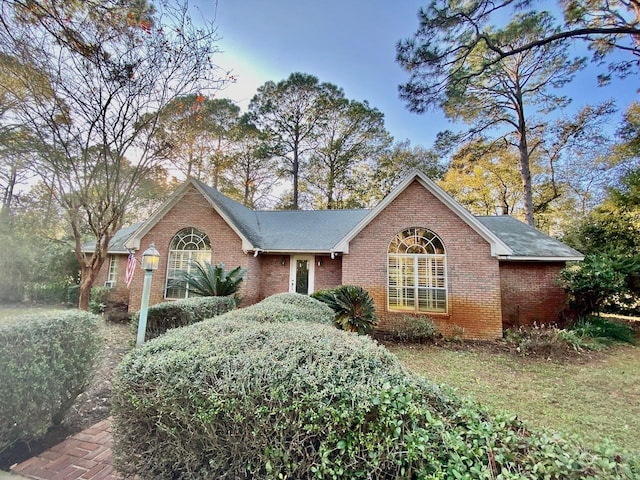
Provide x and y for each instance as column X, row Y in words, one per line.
column 525, row 169
column 86, row 282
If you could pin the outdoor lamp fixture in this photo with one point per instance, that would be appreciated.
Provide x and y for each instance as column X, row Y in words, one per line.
column 150, row 259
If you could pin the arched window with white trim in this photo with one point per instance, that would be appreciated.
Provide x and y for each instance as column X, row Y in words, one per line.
column 188, row 245
column 417, row 273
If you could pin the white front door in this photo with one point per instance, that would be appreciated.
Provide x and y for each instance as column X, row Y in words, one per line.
column 301, row 274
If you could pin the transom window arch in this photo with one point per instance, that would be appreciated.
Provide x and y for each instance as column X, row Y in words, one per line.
column 417, row 273
column 189, row 244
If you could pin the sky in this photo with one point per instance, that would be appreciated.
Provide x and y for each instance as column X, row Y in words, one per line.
column 352, row 44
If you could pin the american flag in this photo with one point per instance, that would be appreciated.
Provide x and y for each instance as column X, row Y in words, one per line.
column 131, row 267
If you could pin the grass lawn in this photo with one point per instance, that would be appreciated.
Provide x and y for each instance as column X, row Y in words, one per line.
column 597, row 399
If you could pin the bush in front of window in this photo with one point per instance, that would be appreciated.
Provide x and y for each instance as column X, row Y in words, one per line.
column 46, row 361
column 413, row 328
column 168, row 315
column 353, row 307
column 207, row 280
column 98, row 299
column 229, row 398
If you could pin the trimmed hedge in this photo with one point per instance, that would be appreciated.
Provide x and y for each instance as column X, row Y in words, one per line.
column 229, row 398
column 168, row 315
column 46, row 361
column 285, row 307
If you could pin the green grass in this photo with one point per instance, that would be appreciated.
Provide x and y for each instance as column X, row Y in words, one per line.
column 597, row 401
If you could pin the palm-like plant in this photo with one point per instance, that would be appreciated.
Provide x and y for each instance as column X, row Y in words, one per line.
column 354, row 308
column 207, row 280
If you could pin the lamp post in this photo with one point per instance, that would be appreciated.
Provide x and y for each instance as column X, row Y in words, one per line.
column 150, row 259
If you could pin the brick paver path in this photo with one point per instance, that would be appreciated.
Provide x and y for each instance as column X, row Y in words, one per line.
column 85, row 455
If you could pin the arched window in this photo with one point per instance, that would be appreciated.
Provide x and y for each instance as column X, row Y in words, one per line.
column 187, row 245
column 417, row 274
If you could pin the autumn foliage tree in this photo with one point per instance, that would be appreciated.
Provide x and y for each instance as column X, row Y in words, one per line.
column 106, row 68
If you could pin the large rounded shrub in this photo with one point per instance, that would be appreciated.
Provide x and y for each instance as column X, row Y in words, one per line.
column 240, row 399
column 285, row 307
column 46, row 361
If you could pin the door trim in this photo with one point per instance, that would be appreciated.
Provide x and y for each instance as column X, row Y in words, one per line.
column 293, row 259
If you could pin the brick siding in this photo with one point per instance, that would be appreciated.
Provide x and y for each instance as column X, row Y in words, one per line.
column 530, row 294
column 481, row 291
column 193, row 210
column 473, row 276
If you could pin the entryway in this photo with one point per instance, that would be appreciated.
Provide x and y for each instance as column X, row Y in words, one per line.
column 301, row 274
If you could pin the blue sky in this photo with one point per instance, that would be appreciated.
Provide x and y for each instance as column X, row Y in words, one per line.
column 350, row 43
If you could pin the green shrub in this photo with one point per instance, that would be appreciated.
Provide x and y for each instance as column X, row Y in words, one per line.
column 98, row 299
column 590, row 283
column 414, row 328
column 353, row 306
column 46, row 361
column 603, row 330
column 286, row 307
column 241, row 399
column 547, row 340
column 50, row 293
column 180, row 313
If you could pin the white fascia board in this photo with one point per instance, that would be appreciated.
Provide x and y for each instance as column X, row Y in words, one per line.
column 512, row 258
column 498, row 247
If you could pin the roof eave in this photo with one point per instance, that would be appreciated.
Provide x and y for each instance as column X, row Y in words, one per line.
column 290, row 251
column 516, row 258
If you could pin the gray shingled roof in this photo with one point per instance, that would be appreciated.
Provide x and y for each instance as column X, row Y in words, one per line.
column 299, row 230
column 116, row 245
column 526, row 241
column 320, row 231
column 287, row 230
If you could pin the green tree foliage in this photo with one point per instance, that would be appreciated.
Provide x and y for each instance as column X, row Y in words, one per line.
column 570, row 168
column 629, row 134
column 253, row 172
column 350, row 136
column 483, row 176
column 394, row 163
column 197, row 133
column 468, row 84
column 598, row 278
column 607, row 27
column 104, row 69
column 615, row 224
column 289, row 112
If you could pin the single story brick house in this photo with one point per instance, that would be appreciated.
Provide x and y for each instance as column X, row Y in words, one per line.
column 418, row 253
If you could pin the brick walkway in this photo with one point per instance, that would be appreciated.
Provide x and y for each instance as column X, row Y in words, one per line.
column 85, row 455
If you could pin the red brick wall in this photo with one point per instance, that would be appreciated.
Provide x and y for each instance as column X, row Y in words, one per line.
column 120, row 292
column 473, row 276
column 193, row 210
column 274, row 276
column 529, row 293
column 328, row 273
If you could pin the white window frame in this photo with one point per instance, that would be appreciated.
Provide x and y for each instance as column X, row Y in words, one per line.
column 198, row 248
column 417, row 288
column 112, row 275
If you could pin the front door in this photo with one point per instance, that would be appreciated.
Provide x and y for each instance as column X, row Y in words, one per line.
column 301, row 274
